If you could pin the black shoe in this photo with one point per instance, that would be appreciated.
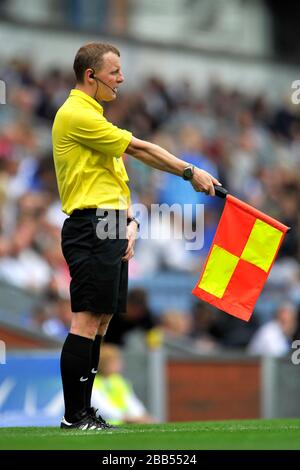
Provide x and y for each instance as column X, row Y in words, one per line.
column 85, row 422
column 98, row 418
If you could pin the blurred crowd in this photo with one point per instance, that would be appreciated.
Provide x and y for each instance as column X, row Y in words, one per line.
column 250, row 144
column 105, row 16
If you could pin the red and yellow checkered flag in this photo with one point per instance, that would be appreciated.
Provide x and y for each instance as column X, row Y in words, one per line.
column 241, row 256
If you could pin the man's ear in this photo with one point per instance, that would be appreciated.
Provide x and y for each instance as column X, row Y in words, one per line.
column 90, row 74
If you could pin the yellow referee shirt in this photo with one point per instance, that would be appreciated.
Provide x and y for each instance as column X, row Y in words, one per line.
column 87, row 152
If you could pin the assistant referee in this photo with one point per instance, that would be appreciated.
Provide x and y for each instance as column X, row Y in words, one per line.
column 91, row 176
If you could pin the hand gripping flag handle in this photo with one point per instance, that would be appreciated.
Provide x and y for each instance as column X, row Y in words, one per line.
column 220, row 191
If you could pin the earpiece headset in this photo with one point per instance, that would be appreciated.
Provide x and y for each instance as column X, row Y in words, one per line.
column 92, row 75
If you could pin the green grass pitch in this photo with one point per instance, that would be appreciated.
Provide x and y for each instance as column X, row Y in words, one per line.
column 223, row 435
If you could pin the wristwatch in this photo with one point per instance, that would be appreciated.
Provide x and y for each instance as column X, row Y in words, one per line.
column 188, row 173
column 133, row 219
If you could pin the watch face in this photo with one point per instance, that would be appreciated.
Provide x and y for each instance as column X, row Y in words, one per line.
column 188, row 173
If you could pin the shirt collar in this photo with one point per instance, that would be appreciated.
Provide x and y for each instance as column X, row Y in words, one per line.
column 87, row 98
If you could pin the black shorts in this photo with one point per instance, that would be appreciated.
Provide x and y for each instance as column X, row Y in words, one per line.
column 99, row 277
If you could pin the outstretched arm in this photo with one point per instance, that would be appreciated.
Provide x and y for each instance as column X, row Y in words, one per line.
column 159, row 158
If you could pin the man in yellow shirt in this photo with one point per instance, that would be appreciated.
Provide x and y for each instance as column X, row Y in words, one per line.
column 92, row 183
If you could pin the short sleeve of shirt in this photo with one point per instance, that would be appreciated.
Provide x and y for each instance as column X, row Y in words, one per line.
column 94, row 131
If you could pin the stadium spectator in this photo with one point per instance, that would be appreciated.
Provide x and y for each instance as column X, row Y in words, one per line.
column 205, row 331
column 164, row 248
column 113, row 394
column 23, row 266
column 59, row 319
column 274, row 338
column 176, row 324
column 138, row 317
column 213, row 331
column 51, row 317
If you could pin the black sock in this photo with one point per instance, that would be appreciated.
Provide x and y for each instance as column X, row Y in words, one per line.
column 93, row 369
column 75, row 366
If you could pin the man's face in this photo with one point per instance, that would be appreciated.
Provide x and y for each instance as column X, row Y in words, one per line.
column 112, row 75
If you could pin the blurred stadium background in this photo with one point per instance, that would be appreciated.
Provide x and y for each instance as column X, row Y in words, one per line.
column 211, row 80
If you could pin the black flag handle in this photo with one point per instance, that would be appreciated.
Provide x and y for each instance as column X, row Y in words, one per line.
column 220, row 191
